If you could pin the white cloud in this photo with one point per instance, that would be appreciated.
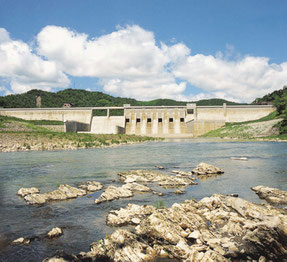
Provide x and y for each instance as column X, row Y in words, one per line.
column 145, row 89
column 129, row 52
column 129, row 62
column 24, row 69
column 241, row 80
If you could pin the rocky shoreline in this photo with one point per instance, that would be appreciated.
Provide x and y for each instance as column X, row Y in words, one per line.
column 216, row 228
column 17, row 142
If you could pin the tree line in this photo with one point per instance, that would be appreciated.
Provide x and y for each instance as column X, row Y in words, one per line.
column 84, row 98
column 278, row 98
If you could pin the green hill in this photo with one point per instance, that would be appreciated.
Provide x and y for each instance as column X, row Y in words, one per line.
column 83, row 98
column 271, row 97
column 279, row 99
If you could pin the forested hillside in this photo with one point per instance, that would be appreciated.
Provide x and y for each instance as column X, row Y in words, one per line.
column 83, row 98
column 279, row 99
column 271, row 97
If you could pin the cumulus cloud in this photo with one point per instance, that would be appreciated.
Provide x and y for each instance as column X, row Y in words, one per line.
column 241, row 80
column 24, row 69
column 129, row 62
column 145, row 89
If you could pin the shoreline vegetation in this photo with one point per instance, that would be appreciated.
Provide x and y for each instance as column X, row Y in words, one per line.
column 23, row 135
column 37, row 135
column 264, row 129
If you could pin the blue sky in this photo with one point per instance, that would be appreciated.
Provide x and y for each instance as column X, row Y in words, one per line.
column 184, row 50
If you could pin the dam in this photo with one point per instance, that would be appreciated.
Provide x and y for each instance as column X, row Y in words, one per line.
column 163, row 121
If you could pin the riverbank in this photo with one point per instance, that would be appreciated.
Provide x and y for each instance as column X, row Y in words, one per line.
column 22, row 135
column 27, row 141
column 216, row 228
column 264, row 129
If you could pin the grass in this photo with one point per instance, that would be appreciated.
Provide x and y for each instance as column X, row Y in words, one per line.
column 160, row 204
column 43, row 138
column 271, row 116
column 240, row 130
column 4, row 119
column 9, row 119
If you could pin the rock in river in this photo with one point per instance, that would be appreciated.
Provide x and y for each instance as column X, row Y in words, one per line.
column 62, row 193
column 112, row 193
column 32, row 195
column 216, row 228
column 21, row 241
column 126, row 190
column 135, row 187
column 91, row 186
column 271, row 195
column 132, row 214
column 162, row 179
column 27, row 191
column 206, row 169
column 55, row 232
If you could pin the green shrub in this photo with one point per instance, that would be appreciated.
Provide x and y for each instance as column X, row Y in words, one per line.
column 160, row 204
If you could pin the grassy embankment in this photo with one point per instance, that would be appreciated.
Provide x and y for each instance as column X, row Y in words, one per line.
column 20, row 135
column 265, row 128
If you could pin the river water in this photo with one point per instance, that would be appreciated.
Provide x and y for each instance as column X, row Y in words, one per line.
column 83, row 221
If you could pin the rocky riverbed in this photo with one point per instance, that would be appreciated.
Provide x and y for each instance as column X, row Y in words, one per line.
column 33, row 197
column 216, row 228
column 271, row 195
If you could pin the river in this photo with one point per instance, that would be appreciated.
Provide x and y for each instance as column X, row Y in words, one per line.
column 83, row 221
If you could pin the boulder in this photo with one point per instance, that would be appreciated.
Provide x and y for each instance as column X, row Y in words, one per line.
column 91, row 186
column 62, row 193
column 171, row 181
column 126, row 190
column 271, row 195
column 27, row 191
column 216, row 228
column 182, row 173
column 204, row 169
column 179, row 191
column 21, row 241
column 36, row 199
column 112, row 193
column 132, row 214
column 162, row 179
column 55, row 232
column 141, row 176
column 135, row 187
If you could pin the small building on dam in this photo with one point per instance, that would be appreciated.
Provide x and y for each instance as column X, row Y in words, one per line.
column 162, row 121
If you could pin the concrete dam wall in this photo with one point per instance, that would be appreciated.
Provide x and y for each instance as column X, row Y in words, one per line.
column 165, row 121
column 78, row 114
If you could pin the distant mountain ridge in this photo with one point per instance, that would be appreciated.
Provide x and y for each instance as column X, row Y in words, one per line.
column 84, row 98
